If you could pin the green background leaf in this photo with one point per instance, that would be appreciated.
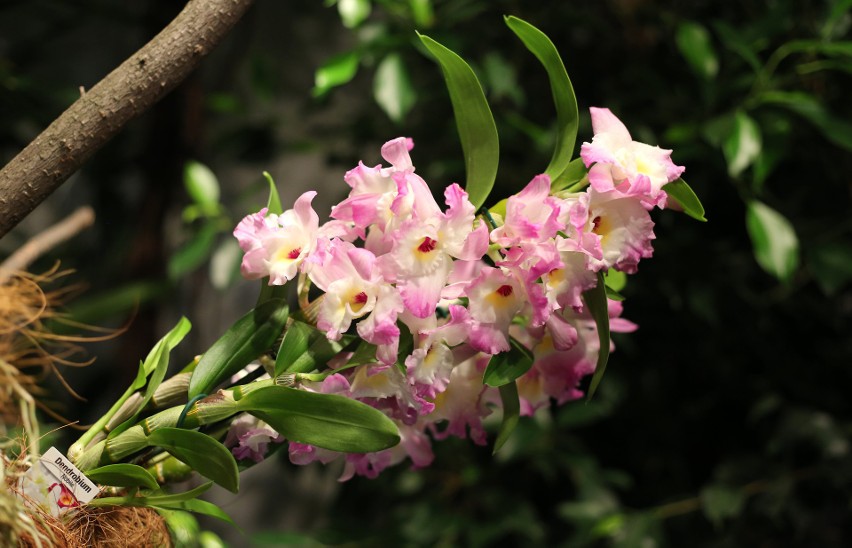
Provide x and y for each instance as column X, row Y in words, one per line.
column 392, row 88
column 743, row 145
column 695, row 45
column 776, row 246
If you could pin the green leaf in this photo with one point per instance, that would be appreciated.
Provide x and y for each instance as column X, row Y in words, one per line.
column 392, row 88
column 155, row 366
column 720, row 502
column 337, row 71
column 202, row 453
column 615, row 279
column 477, row 131
column 833, row 127
column 567, row 117
column 151, row 500
column 296, row 342
column 776, row 247
column 685, row 197
column 742, row 146
column 422, row 12
column 573, row 174
column 329, row 421
column 734, row 40
column 320, row 350
column 595, row 300
column 831, row 265
column 123, row 475
column 613, row 295
column 274, row 202
column 353, row 12
column 202, row 186
column 511, row 414
column 508, row 366
column 192, row 254
column 198, row 506
column 694, row 44
column 248, row 338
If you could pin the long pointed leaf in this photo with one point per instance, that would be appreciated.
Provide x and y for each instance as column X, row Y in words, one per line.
column 511, row 414
column 325, row 420
column 567, row 116
column 505, row 367
column 155, row 365
column 122, row 475
column 477, row 131
column 247, row 339
column 595, row 299
column 153, row 500
column 205, row 455
column 681, row 193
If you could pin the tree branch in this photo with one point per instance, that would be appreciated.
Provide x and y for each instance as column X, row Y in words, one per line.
column 99, row 114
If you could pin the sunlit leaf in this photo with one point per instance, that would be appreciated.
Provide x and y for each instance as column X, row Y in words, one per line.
column 511, row 414
column 337, row 71
column 477, row 131
column 505, row 367
column 695, row 45
column 742, row 146
column 685, row 197
column 201, row 185
column 595, row 300
column 353, row 12
column 776, row 247
column 273, row 204
column 392, row 88
column 204, row 454
column 567, row 117
column 122, row 475
column 615, row 279
column 225, row 263
column 244, row 341
column 325, row 420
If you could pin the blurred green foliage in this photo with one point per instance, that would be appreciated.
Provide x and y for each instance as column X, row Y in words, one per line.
column 725, row 420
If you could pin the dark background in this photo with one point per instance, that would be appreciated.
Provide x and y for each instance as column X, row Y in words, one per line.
column 723, row 421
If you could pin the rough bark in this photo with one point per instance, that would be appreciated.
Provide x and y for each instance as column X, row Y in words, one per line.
column 100, row 113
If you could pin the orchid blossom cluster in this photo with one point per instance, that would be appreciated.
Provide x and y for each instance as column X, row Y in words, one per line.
column 461, row 287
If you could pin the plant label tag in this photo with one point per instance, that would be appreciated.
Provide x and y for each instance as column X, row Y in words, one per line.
column 56, row 485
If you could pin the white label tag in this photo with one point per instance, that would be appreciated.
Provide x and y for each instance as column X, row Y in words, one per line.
column 57, row 485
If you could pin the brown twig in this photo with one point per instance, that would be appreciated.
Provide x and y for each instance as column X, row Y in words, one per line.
column 100, row 113
column 81, row 219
